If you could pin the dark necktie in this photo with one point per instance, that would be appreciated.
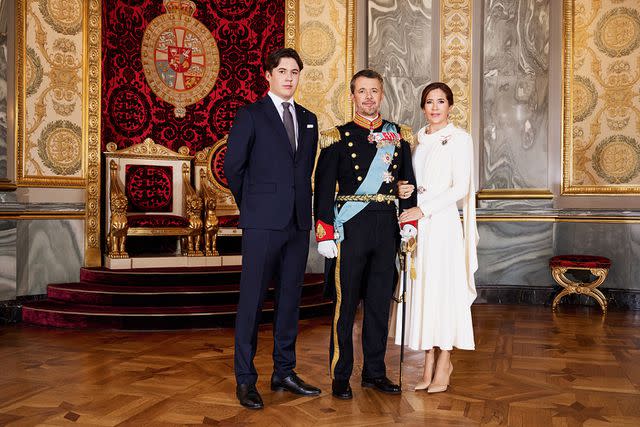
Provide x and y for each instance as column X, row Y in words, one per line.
column 287, row 119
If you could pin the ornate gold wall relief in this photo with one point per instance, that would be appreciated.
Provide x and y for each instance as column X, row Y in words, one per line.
column 601, row 143
column 51, row 54
column 327, row 51
column 455, row 56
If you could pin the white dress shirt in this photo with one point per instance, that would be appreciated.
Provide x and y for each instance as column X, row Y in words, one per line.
column 277, row 101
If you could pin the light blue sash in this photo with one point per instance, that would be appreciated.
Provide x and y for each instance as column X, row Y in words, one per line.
column 370, row 185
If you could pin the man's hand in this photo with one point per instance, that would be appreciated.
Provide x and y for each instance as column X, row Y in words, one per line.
column 411, row 214
column 405, row 190
column 328, row 249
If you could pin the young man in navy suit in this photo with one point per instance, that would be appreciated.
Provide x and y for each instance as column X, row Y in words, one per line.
column 270, row 155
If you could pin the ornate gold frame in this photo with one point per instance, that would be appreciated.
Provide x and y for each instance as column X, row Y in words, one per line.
column 89, row 20
column 92, row 127
column 567, row 188
column 210, row 154
column 514, row 194
column 291, row 39
column 91, row 116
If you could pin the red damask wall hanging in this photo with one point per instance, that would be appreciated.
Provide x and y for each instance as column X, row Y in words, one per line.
column 245, row 32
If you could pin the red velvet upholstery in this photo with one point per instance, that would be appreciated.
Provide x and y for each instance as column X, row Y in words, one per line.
column 580, row 261
column 149, row 188
column 228, row 221
column 157, row 221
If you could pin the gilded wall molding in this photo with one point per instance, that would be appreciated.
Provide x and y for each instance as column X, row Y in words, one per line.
column 514, row 194
column 601, row 108
column 51, row 84
column 7, row 185
column 455, row 56
column 290, row 23
column 91, row 127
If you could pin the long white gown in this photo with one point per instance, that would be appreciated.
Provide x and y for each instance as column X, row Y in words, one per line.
column 439, row 299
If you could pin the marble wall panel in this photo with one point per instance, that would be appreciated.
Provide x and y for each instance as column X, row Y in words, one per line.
column 7, row 260
column 399, row 48
column 619, row 242
column 51, row 251
column 514, row 115
column 516, row 204
column 515, row 253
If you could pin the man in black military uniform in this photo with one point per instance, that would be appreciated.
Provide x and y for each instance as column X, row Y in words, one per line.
column 357, row 230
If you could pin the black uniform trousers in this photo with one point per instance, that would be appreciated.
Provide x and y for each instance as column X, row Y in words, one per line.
column 267, row 255
column 364, row 269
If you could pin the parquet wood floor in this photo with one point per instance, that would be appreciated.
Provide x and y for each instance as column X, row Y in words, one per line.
column 531, row 368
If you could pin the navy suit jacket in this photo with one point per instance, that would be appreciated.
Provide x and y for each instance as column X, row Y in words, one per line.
column 268, row 180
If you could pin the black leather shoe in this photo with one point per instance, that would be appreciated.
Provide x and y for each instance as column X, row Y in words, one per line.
column 248, row 396
column 341, row 389
column 382, row 384
column 294, row 384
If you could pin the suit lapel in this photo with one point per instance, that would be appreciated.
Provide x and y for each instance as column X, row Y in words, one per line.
column 276, row 122
column 300, row 117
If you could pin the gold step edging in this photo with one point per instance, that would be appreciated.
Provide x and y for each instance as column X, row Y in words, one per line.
column 79, row 313
column 89, row 291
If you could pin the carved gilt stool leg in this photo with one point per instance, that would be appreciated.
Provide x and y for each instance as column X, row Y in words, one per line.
column 588, row 289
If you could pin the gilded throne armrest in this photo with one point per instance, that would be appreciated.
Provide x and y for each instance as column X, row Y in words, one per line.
column 221, row 212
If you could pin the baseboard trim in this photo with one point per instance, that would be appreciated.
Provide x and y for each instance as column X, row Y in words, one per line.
column 617, row 299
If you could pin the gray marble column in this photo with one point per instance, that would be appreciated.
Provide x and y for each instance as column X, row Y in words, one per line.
column 7, row 260
column 514, row 96
column 399, row 48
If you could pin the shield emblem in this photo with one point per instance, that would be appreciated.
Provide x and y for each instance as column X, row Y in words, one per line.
column 179, row 58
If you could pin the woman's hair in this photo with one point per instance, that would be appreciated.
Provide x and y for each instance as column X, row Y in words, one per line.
column 433, row 86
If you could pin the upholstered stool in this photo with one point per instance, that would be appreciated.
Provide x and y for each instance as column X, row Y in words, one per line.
column 597, row 265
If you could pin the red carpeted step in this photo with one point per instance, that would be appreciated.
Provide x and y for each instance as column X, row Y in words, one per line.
column 192, row 276
column 167, row 298
column 161, row 296
column 61, row 314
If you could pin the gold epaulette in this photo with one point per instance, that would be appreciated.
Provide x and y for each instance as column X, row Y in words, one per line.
column 329, row 137
column 407, row 134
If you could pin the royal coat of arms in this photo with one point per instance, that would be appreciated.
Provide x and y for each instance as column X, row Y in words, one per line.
column 179, row 56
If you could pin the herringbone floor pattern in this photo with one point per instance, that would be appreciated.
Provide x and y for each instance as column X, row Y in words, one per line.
column 531, row 368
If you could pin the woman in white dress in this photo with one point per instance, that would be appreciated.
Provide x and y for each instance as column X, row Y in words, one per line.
column 439, row 299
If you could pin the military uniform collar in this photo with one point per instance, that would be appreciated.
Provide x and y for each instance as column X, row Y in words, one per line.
column 366, row 123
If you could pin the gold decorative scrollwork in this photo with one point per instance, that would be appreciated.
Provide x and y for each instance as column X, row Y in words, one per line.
column 455, row 62
column 601, row 117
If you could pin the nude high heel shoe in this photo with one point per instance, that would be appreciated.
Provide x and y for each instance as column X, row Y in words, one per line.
column 422, row 384
column 439, row 388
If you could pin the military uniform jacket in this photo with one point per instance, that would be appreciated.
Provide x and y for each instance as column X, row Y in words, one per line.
column 344, row 159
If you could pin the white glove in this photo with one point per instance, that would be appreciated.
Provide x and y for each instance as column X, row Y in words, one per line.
column 408, row 231
column 328, row 249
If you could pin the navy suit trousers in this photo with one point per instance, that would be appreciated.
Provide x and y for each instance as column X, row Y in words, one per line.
column 278, row 257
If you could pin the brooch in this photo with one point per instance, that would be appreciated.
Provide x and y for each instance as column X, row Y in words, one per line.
column 444, row 139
